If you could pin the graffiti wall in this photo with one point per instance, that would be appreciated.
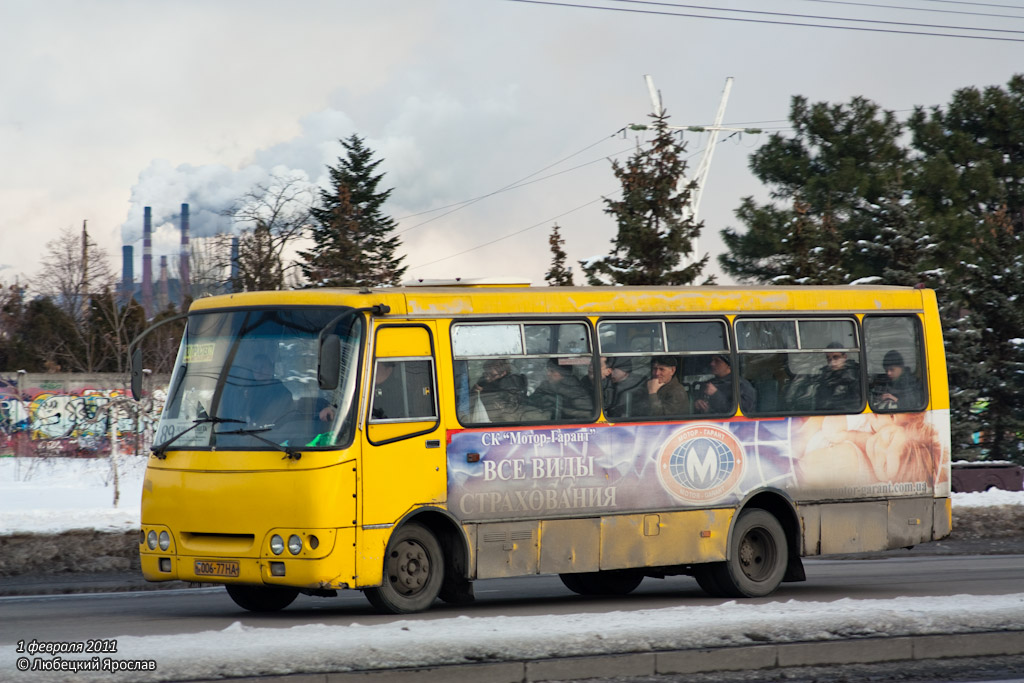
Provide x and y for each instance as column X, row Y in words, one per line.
column 75, row 415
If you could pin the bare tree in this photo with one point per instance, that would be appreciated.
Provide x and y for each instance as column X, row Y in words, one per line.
column 210, row 265
column 272, row 216
column 77, row 276
column 74, row 268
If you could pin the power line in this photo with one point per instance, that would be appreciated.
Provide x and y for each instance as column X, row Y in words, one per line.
column 776, row 22
column 461, row 205
column 515, row 186
column 919, row 9
column 974, row 4
column 813, row 16
column 544, row 222
column 511, row 234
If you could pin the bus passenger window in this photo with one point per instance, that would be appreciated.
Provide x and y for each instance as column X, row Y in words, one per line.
column 893, row 345
column 522, row 373
column 801, row 366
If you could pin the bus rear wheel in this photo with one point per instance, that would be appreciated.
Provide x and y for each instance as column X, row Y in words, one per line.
column 758, row 553
column 413, row 572
column 261, row 598
column 619, row 582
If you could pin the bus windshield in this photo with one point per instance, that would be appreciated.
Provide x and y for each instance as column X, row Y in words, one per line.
column 247, row 379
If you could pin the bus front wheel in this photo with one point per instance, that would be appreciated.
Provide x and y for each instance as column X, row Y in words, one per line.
column 758, row 553
column 261, row 598
column 619, row 582
column 413, row 572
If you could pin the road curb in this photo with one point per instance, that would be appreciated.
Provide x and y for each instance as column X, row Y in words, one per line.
column 742, row 658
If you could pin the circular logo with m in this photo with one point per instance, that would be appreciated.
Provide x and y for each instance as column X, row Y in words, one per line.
column 701, row 463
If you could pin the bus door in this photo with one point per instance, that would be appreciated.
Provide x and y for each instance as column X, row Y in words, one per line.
column 404, row 456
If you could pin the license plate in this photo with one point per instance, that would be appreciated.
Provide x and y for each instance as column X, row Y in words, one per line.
column 216, row 568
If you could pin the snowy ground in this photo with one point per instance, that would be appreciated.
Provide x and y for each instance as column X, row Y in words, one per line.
column 57, row 495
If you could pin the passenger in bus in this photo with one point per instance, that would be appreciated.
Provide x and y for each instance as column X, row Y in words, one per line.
column 900, row 390
column 502, row 393
column 665, row 395
column 837, row 386
column 266, row 398
column 392, row 400
column 627, row 395
column 561, row 395
column 717, row 394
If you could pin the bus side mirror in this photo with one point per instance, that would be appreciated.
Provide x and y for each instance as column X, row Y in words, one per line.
column 136, row 373
column 330, row 362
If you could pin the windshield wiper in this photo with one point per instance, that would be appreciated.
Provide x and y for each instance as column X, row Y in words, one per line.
column 254, row 432
column 160, row 451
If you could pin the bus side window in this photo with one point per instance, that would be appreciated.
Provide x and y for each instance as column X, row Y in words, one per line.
column 895, row 367
column 403, row 390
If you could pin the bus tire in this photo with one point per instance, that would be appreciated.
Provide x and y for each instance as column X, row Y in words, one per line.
column 758, row 553
column 619, row 582
column 705, row 575
column 261, row 598
column 413, row 572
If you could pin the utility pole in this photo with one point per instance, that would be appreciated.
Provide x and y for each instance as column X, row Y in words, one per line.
column 700, row 175
column 85, row 271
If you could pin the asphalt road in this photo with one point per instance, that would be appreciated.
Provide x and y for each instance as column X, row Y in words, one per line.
column 76, row 617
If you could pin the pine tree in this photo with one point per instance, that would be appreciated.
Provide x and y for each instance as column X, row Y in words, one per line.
column 992, row 290
column 810, row 251
column 828, row 182
column 354, row 244
column 558, row 275
column 654, row 230
column 969, row 187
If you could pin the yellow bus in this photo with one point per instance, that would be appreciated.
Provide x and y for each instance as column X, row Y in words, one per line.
column 407, row 441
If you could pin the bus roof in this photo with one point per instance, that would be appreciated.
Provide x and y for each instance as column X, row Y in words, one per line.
column 425, row 301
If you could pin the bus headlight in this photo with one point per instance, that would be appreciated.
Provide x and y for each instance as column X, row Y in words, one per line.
column 276, row 544
column 165, row 540
column 294, row 544
column 151, row 539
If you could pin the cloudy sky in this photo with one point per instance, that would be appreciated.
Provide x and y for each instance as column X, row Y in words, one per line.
column 110, row 106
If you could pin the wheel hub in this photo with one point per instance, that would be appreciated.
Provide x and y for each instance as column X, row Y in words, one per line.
column 410, row 567
column 752, row 555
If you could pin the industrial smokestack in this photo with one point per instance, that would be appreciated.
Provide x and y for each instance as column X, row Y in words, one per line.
column 186, row 284
column 127, row 272
column 163, row 294
column 147, row 261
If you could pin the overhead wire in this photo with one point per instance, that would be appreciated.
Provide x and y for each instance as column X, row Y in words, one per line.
column 976, row 4
column 918, row 9
column 469, row 202
column 549, row 220
column 886, row 22
column 526, row 180
column 775, row 22
column 511, row 234
column 514, row 186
